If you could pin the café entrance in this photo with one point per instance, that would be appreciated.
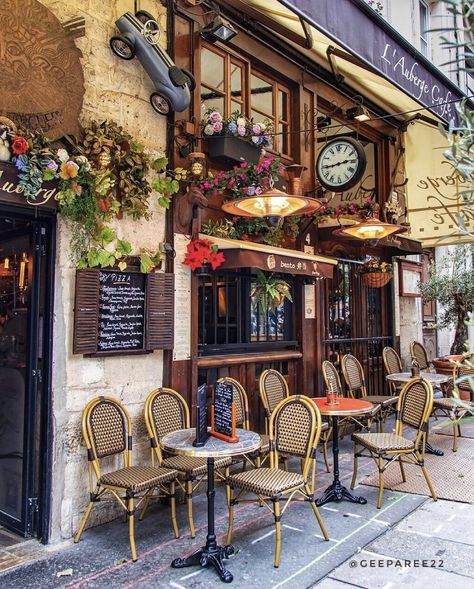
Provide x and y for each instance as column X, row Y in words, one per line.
column 25, row 336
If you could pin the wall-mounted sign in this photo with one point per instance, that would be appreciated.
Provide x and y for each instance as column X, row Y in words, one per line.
column 10, row 191
column 409, row 278
column 41, row 79
column 122, row 312
column 309, row 301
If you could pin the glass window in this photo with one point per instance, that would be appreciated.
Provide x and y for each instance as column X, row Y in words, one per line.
column 424, row 27
column 229, row 320
column 226, row 86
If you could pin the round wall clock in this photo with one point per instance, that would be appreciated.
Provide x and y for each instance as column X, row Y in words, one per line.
column 341, row 164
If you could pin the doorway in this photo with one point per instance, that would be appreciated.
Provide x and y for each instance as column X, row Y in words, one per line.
column 26, row 268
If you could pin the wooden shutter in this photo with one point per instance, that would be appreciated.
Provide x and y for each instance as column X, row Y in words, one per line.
column 159, row 312
column 86, row 312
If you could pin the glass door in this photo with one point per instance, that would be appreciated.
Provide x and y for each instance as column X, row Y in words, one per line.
column 22, row 325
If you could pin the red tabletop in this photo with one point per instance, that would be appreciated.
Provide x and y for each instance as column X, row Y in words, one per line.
column 345, row 407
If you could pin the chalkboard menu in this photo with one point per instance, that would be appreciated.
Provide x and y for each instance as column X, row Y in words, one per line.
column 223, row 413
column 121, row 311
column 201, row 417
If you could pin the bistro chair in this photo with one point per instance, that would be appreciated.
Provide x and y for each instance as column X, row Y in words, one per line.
column 242, row 421
column 355, row 382
column 393, row 365
column 295, row 427
column 418, row 352
column 414, row 408
column 449, row 406
column 107, row 431
column 166, row 411
column 273, row 388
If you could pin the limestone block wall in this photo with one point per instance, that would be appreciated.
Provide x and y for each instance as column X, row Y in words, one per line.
column 118, row 90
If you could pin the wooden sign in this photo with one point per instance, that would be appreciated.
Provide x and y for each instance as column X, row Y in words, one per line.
column 41, row 78
column 223, row 413
column 11, row 193
column 122, row 312
column 202, row 434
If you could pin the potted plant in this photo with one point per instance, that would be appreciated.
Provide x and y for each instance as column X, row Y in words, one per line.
column 202, row 256
column 451, row 283
column 235, row 139
column 376, row 274
column 270, row 291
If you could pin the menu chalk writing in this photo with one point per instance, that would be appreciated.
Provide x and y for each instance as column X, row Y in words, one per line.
column 223, row 397
column 121, row 311
column 201, row 417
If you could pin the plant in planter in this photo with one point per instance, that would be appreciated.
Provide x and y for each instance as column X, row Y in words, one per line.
column 236, row 138
column 270, row 291
column 203, row 255
column 376, row 274
column 451, row 283
column 348, row 209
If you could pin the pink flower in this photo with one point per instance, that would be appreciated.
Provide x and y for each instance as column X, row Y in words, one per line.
column 217, row 127
column 258, row 191
column 241, row 131
column 256, row 129
column 243, row 165
column 215, row 117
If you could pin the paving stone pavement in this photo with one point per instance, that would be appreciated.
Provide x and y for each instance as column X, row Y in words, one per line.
column 407, row 527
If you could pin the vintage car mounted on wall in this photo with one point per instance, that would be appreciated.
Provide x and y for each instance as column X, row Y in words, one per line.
column 139, row 37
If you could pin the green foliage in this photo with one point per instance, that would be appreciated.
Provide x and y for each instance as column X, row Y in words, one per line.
column 270, row 291
column 451, row 283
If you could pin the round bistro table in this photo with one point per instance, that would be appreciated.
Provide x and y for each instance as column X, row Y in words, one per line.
column 434, row 379
column 181, row 442
column 345, row 407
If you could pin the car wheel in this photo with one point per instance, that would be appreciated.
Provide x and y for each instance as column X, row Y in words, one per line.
column 192, row 81
column 143, row 16
column 161, row 104
column 122, row 47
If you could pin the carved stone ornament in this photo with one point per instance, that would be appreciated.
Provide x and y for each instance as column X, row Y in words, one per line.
column 41, row 78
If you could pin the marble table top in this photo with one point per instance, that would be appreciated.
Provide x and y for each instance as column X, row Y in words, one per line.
column 181, row 442
column 429, row 376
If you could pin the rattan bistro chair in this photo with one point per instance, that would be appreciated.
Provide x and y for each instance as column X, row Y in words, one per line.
column 295, row 427
column 356, row 388
column 107, row 431
column 273, row 388
column 449, row 406
column 242, row 421
column 414, row 408
column 166, row 411
column 418, row 352
column 393, row 365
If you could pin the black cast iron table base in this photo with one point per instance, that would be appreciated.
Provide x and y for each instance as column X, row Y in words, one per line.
column 336, row 491
column 208, row 556
column 211, row 554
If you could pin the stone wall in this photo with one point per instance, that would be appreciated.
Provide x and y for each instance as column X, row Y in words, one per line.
column 118, row 90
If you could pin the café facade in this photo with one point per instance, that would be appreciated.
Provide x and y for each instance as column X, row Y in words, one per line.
column 305, row 73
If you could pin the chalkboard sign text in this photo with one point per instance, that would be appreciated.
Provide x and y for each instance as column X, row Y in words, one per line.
column 223, row 413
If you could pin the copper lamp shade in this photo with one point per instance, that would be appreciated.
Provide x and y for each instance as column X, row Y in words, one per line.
column 370, row 229
column 271, row 203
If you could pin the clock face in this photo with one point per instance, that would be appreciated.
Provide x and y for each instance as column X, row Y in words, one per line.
column 340, row 164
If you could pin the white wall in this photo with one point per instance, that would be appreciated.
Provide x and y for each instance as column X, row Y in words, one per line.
column 117, row 90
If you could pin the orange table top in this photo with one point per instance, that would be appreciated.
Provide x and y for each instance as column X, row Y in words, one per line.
column 344, row 407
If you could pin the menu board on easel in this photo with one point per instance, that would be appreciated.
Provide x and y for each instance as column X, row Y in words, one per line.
column 223, row 413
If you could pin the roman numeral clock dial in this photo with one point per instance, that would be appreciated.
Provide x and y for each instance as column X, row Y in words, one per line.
column 341, row 164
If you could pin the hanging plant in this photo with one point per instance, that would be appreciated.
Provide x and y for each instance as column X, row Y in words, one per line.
column 201, row 253
column 105, row 175
column 270, row 291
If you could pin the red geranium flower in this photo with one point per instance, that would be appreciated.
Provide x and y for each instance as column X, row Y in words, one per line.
column 20, row 145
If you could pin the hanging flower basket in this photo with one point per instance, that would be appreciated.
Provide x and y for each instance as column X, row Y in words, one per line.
column 204, row 270
column 376, row 279
column 232, row 150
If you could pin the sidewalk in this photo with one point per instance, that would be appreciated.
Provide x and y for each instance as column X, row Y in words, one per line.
column 363, row 542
